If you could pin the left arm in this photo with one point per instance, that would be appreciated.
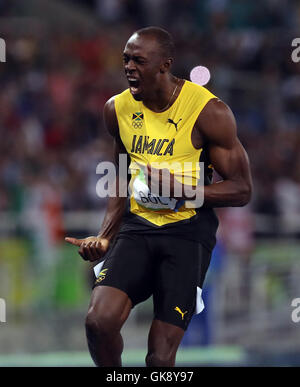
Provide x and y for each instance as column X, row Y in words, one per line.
column 228, row 157
column 217, row 128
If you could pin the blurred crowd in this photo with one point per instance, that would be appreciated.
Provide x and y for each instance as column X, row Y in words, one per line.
column 54, row 86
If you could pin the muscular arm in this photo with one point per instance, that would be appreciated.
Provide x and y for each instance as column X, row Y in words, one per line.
column 217, row 126
column 94, row 247
column 216, row 129
column 116, row 205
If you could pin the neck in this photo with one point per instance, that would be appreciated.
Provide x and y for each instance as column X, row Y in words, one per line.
column 164, row 95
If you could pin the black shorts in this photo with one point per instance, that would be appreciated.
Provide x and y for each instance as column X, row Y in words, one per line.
column 168, row 268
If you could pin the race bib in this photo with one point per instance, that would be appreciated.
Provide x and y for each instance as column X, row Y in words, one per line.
column 145, row 198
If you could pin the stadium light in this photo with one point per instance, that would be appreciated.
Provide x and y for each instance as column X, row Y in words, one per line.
column 200, row 75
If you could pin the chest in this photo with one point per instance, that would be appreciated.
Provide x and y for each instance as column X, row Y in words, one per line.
column 158, row 136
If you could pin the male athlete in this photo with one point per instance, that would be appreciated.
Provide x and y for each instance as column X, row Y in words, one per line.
column 151, row 244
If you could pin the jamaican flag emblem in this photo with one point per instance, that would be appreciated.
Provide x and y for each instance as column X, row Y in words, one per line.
column 137, row 120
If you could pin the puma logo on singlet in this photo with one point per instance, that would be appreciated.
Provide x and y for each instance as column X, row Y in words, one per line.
column 170, row 121
column 179, row 311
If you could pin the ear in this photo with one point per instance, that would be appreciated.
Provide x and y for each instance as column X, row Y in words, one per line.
column 166, row 65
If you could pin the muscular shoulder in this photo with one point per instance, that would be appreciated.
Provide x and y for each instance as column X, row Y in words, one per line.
column 110, row 117
column 217, row 124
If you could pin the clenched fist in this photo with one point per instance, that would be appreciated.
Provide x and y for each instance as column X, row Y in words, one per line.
column 91, row 248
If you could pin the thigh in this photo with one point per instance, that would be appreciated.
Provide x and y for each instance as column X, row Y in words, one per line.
column 182, row 269
column 129, row 268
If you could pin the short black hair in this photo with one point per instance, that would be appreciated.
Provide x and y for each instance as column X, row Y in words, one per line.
column 163, row 38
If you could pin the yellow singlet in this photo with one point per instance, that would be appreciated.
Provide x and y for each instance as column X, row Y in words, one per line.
column 151, row 137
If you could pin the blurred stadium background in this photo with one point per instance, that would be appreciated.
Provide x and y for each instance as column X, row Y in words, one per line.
column 63, row 61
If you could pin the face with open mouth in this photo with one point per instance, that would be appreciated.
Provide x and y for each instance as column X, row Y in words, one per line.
column 142, row 61
column 134, row 87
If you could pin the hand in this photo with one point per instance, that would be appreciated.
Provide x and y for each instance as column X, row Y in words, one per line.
column 163, row 183
column 91, row 248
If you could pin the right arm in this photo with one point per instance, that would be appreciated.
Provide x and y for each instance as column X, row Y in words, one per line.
column 116, row 205
column 94, row 247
